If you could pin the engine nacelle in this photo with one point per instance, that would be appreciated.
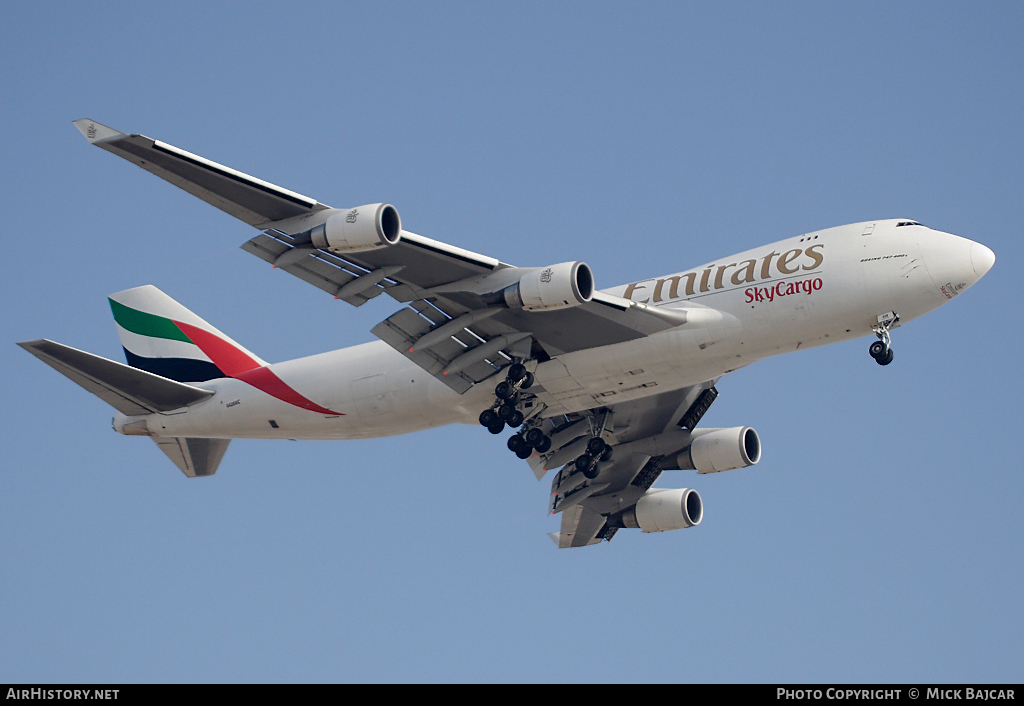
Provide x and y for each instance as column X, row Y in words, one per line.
column 664, row 509
column 377, row 225
column 717, row 450
column 561, row 286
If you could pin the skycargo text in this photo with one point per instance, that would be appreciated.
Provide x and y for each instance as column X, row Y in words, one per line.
column 783, row 289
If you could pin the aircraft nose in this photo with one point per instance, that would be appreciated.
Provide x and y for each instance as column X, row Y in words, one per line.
column 954, row 263
column 982, row 259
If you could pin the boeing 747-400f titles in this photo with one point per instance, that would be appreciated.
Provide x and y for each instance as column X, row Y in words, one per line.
column 605, row 387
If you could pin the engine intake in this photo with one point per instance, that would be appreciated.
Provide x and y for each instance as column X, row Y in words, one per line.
column 717, row 450
column 363, row 228
column 664, row 509
column 561, row 286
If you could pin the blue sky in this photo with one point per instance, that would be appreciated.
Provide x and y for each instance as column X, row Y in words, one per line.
column 880, row 538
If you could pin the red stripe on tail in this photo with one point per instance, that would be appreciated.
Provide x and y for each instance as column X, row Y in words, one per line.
column 239, row 365
column 264, row 379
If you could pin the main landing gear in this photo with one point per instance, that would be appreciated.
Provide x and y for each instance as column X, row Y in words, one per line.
column 881, row 350
column 597, row 450
column 506, row 410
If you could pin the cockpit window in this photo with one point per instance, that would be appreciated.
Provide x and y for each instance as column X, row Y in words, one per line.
column 907, row 223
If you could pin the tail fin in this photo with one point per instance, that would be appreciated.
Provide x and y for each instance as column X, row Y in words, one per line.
column 161, row 336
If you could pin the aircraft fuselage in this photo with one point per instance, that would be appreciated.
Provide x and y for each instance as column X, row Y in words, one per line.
column 823, row 287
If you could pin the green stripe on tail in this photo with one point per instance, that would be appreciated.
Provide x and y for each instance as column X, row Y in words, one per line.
column 146, row 324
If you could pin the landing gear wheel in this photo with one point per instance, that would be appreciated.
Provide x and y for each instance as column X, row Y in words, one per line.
column 516, row 372
column 516, row 442
column 524, row 453
column 881, row 350
column 596, row 446
column 488, row 417
column 497, row 427
column 527, row 381
column 606, row 455
column 504, row 390
column 505, row 411
column 534, row 436
column 587, row 466
column 516, row 419
column 544, row 446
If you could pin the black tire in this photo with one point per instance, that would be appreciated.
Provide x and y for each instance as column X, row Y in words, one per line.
column 505, row 411
column 497, row 427
column 885, row 359
column 591, row 473
column 606, row 455
column 504, row 390
column 595, row 447
column 527, row 381
column 877, row 349
column 533, row 436
column 516, row 442
column 516, row 372
column 524, row 453
column 584, row 462
column 544, row 446
column 488, row 417
column 516, row 419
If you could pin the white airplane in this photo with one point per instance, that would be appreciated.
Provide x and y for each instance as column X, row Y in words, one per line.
column 608, row 386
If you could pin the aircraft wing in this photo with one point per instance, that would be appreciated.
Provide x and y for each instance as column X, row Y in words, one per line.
column 245, row 197
column 469, row 338
column 647, row 434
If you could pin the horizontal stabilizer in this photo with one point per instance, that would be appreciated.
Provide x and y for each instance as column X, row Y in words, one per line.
column 195, row 457
column 129, row 390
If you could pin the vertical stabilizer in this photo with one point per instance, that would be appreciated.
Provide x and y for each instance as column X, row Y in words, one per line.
column 195, row 457
column 161, row 336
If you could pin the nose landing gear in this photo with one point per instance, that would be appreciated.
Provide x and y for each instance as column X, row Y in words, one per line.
column 881, row 350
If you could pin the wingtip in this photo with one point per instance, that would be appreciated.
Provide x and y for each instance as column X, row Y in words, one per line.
column 96, row 132
column 32, row 345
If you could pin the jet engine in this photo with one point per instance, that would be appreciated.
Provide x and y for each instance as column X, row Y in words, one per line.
column 716, row 450
column 561, row 286
column 663, row 509
column 359, row 229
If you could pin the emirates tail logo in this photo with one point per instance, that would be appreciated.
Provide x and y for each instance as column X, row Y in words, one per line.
column 352, row 215
column 545, row 276
column 90, row 132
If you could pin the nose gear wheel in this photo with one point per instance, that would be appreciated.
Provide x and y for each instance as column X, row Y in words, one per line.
column 881, row 350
